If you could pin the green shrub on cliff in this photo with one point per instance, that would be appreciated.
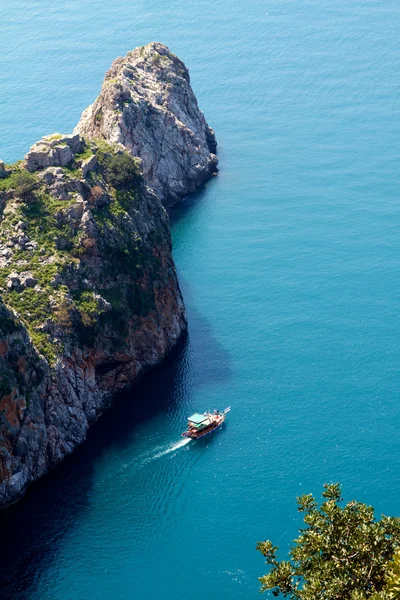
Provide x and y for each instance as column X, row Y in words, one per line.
column 343, row 553
column 122, row 171
column 22, row 182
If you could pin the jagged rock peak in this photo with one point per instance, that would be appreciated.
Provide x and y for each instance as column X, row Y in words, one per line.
column 147, row 104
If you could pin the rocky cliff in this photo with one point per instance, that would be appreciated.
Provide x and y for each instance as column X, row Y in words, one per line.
column 147, row 104
column 89, row 296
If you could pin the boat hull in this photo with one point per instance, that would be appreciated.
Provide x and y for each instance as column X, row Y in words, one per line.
column 199, row 434
column 200, row 425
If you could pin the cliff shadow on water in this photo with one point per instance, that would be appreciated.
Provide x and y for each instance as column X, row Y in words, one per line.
column 181, row 210
column 32, row 530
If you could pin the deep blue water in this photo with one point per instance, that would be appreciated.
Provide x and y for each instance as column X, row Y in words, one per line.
column 290, row 266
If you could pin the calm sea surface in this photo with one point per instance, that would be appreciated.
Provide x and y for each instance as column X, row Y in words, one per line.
column 290, row 266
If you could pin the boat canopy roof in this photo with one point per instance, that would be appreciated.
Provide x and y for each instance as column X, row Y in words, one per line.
column 197, row 418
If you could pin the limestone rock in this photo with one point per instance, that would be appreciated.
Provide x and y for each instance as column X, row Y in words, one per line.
column 89, row 165
column 60, row 183
column 40, row 157
column 147, row 104
column 13, row 281
column 64, row 155
column 19, row 281
column 96, row 299
column 3, row 170
column 53, row 151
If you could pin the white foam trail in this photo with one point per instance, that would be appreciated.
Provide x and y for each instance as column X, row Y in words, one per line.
column 178, row 445
column 172, row 448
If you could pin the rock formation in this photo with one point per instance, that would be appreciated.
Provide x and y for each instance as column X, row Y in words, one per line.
column 147, row 104
column 89, row 297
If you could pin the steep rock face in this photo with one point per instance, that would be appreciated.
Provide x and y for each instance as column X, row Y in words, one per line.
column 147, row 104
column 24, row 377
column 89, row 297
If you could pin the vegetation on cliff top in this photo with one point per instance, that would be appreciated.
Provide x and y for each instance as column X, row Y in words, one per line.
column 342, row 553
column 46, row 257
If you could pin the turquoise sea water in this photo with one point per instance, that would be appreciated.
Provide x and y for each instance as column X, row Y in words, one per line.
column 290, row 266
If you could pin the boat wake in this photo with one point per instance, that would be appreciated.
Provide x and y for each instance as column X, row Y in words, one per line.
column 172, row 448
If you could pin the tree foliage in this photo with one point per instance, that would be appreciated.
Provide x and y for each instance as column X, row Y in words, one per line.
column 122, row 171
column 342, row 553
column 391, row 590
column 24, row 183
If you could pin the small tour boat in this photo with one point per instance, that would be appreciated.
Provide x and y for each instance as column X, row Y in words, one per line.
column 202, row 424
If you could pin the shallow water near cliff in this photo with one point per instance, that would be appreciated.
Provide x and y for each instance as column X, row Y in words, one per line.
column 290, row 267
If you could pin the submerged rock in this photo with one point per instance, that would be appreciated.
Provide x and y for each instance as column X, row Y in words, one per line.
column 147, row 104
